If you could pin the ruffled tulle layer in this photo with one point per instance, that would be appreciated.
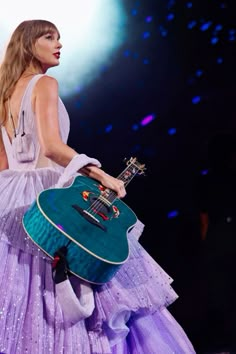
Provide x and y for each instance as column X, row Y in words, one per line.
column 130, row 315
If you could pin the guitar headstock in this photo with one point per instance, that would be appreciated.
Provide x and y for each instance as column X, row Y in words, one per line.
column 133, row 162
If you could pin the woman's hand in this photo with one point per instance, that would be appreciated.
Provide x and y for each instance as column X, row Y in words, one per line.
column 105, row 179
column 113, row 183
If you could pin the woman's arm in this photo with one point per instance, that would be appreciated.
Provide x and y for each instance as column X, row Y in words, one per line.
column 45, row 105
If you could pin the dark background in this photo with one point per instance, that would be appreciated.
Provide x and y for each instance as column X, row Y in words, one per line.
column 177, row 64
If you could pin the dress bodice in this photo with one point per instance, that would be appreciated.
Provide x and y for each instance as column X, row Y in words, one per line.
column 28, row 125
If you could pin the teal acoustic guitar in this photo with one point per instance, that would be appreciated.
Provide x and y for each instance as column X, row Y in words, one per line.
column 89, row 220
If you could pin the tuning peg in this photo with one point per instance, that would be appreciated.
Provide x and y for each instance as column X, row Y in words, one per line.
column 142, row 170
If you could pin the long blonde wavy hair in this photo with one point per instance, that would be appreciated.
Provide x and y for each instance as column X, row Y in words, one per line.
column 19, row 55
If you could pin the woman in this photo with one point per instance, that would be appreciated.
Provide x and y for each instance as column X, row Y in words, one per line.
column 128, row 314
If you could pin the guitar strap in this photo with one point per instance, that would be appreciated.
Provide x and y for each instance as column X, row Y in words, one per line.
column 77, row 303
column 77, row 299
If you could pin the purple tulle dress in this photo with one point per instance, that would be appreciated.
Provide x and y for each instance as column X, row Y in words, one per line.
column 130, row 315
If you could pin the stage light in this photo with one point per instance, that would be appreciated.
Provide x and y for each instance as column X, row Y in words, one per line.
column 172, row 214
column 196, row 99
column 147, row 120
column 199, row 73
column 108, row 128
column 214, row 40
column 170, row 17
column 192, row 24
column 90, row 32
column 205, row 26
column 146, row 35
column 149, row 19
column 218, row 28
column 172, row 131
column 189, row 5
column 135, row 127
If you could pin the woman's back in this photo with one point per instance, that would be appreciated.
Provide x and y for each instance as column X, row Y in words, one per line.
column 21, row 121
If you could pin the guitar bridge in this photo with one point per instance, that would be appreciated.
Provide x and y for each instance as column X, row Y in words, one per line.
column 90, row 218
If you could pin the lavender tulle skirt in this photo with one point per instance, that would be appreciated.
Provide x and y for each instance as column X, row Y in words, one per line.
column 130, row 315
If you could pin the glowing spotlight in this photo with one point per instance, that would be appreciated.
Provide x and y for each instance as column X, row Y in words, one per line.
column 89, row 37
column 135, row 127
column 192, row 24
column 199, row 73
column 108, row 128
column 147, row 120
column 218, row 27
column 146, row 35
column 149, row 19
column 172, row 214
column 205, row 26
column 196, row 99
column 163, row 31
column 170, row 17
column 172, row 131
column 214, row 40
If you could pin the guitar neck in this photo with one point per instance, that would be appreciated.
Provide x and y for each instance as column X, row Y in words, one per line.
column 129, row 173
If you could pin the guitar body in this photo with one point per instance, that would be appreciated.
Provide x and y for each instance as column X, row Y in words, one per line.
column 94, row 231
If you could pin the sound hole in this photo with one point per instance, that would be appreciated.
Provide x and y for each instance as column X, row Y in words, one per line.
column 99, row 207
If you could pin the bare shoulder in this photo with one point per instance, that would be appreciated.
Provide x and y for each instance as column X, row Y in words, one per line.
column 46, row 84
column 45, row 91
